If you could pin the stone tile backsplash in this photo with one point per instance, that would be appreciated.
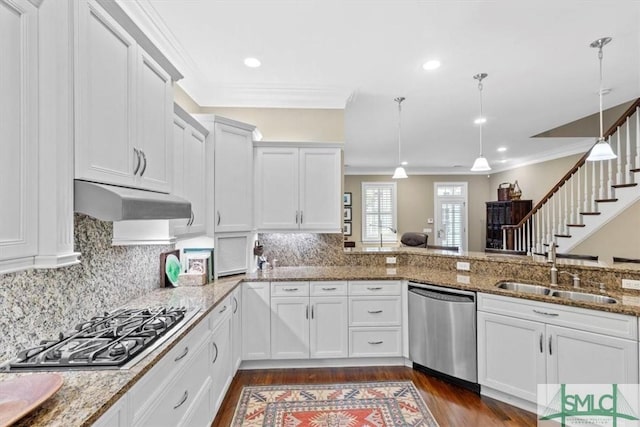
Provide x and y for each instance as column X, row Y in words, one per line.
column 37, row 304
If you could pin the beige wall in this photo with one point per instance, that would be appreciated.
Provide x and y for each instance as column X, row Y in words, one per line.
column 289, row 124
column 415, row 203
column 535, row 180
column 620, row 237
column 183, row 99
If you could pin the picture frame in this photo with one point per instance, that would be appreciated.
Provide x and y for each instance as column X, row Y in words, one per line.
column 346, row 199
column 346, row 229
column 346, row 213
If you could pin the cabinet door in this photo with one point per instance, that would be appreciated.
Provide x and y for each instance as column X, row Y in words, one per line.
column 320, row 189
column 104, row 90
column 256, row 316
column 578, row 357
column 236, row 329
column 180, row 131
column 329, row 327
column 231, row 253
column 220, row 361
column 200, row 413
column 511, row 355
column 194, row 179
column 18, row 129
column 233, row 179
column 290, row 328
column 154, row 117
column 276, row 187
column 117, row 415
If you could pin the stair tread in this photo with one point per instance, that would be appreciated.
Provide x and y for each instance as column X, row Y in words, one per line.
column 589, row 213
column 606, row 200
column 562, row 235
column 576, row 225
column 624, row 185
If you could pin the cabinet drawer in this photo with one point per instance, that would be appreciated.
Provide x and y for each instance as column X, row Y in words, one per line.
column 375, row 311
column 289, row 289
column 375, row 342
column 174, row 400
column 375, row 287
column 178, row 357
column 220, row 312
column 328, row 289
column 613, row 324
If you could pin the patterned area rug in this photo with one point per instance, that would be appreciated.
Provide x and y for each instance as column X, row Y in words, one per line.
column 380, row 404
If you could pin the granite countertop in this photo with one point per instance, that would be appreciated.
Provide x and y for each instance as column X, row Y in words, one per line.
column 628, row 301
column 86, row 395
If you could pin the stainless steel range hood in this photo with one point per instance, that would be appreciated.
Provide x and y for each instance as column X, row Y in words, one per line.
column 112, row 203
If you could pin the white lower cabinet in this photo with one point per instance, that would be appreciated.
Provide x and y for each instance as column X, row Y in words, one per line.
column 328, row 328
column 117, row 415
column 236, row 329
column 290, row 327
column 558, row 347
column 220, row 358
column 256, row 321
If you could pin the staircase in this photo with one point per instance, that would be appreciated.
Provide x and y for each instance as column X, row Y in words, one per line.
column 587, row 197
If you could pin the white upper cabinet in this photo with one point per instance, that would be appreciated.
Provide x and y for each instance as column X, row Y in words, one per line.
column 123, row 106
column 298, row 189
column 104, row 90
column 189, row 171
column 233, row 151
column 18, row 130
column 154, row 137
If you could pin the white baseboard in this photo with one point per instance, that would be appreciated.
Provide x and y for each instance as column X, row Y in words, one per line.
column 507, row 398
column 324, row 363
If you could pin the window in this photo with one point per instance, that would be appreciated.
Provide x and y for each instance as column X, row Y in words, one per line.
column 379, row 211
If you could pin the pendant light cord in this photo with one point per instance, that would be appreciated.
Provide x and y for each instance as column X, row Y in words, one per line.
column 399, row 101
column 481, row 116
column 600, row 90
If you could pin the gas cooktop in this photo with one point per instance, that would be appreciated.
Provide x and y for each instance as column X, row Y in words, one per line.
column 110, row 341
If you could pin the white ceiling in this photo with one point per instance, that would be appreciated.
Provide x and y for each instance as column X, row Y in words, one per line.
column 359, row 55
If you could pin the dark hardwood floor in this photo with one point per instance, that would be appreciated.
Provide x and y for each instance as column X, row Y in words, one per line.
column 449, row 404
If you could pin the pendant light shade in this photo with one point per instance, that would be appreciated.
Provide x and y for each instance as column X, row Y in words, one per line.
column 480, row 164
column 399, row 173
column 601, row 150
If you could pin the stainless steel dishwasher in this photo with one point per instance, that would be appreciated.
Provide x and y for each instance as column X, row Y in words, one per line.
column 442, row 331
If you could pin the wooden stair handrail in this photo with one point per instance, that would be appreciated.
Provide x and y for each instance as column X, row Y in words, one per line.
column 628, row 113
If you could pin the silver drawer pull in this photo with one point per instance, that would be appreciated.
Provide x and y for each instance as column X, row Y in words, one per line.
column 544, row 313
column 377, row 288
column 290, row 289
column 329, row 289
column 215, row 347
column 184, row 353
column 375, row 342
column 185, row 396
column 223, row 309
column 374, row 311
column 235, row 301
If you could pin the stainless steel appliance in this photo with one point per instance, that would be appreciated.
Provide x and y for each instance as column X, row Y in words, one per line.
column 109, row 341
column 442, row 331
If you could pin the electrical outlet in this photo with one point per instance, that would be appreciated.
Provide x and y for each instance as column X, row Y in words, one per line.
column 461, row 278
column 463, row 266
column 631, row 284
column 391, row 260
column 427, row 230
column 391, row 271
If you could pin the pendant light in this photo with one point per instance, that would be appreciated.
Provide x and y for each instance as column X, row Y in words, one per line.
column 601, row 150
column 399, row 172
column 481, row 164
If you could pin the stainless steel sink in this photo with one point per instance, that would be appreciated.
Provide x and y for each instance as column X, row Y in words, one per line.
column 526, row 288
column 582, row 296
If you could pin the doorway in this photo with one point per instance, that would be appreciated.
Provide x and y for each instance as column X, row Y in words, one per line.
column 451, row 219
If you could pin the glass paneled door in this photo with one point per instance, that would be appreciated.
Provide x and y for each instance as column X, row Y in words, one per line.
column 451, row 214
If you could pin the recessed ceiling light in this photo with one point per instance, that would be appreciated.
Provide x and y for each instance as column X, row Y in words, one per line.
column 252, row 62
column 501, row 149
column 480, row 120
column 431, row 65
column 503, row 161
column 404, row 163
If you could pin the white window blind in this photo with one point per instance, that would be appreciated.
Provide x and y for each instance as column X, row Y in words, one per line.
column 451, row 214
column 379, row 211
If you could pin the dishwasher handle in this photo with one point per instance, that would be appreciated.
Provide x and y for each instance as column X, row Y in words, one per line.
column 442, row 295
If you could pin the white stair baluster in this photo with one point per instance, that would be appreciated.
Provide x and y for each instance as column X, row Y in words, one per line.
column 593, row 186
column 504, row 239
column 637, row 137
column 578, row 176
column 610, row 191
column 627, row 165
column 602, row 194
column 619, row 174
column 565, row 229
column 587, row 202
